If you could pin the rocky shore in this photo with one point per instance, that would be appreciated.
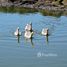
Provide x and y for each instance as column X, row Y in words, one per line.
column 49, row 7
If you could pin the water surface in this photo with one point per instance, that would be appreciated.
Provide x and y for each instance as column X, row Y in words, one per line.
column 26, row 52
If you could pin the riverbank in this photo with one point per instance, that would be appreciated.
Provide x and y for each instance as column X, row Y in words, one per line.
column 45, row 9
column 24, row 10
column 49, row 7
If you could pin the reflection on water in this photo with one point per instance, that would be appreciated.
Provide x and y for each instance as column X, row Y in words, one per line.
column 17, row 10
column 30, row 41
column 53, row 13
column 47, row 39
column 34, row 44
column 18, row 39
column 28, row 10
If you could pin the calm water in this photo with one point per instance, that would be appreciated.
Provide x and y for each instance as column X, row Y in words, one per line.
column 38, row 52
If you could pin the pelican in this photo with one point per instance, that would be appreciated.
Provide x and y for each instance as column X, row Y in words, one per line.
column 28, row 34
column 17, row 32
column 28, row 27
column 44, row 32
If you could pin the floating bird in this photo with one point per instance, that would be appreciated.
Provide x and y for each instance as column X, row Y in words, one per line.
column 17, row 32
column 28, row 34
column 44, row 32
column 28, row 27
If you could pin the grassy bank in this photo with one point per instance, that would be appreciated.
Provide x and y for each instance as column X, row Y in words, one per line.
column 29, row 10
column 17, row 10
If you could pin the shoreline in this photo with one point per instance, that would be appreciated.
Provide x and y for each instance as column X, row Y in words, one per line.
column 32, row 6
column 50, row 10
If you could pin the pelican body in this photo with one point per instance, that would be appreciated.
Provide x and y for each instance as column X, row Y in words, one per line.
column 17, row 32
column 28, row 34
column 45, row 32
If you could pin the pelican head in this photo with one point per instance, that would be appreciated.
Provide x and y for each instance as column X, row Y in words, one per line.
column 28, row 27
column 44, row 31
column 30, row 23
column 18, row 28
column 17, row 32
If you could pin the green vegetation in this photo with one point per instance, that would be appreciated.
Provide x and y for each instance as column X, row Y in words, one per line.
column 17, row 10
column 52, row 13
column 28, row 10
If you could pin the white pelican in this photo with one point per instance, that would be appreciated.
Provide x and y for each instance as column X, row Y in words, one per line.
column 28, row 27
column 28, row 34
column 17, row 32
column 44, row 32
